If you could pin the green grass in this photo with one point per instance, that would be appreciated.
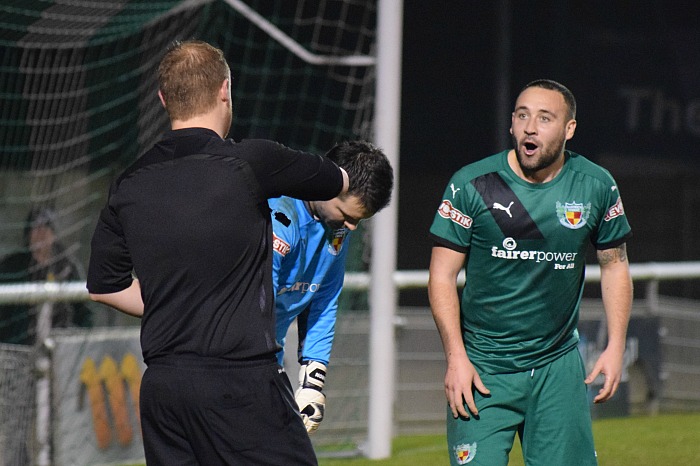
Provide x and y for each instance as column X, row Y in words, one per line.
column 669, row 439
column 664, row 440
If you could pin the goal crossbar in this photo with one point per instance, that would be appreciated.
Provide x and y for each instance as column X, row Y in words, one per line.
column 293, row 46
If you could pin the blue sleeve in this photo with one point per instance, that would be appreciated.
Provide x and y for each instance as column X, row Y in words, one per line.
column 285, row 240
column 279, row 242
column 320, row 332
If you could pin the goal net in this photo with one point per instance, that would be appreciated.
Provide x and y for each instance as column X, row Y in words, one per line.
column 78, row 102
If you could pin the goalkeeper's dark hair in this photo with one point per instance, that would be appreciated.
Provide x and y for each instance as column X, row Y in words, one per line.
column 560, row 88
column 369, row 170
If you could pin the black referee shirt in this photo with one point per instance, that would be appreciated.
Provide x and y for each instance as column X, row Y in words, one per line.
column 190, row 219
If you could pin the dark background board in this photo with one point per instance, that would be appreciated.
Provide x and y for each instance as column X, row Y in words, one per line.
column 634, row 68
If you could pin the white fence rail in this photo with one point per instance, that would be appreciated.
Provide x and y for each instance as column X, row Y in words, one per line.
column 653, row 272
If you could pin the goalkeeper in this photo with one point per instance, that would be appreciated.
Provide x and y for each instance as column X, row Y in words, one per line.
column 310, row 243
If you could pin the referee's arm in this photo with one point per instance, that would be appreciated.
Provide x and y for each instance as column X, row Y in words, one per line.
column 128, row 300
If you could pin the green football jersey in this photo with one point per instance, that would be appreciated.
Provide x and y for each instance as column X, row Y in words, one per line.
column 526, row 245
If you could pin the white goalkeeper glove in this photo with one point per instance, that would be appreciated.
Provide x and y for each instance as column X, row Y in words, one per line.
column 309, row 395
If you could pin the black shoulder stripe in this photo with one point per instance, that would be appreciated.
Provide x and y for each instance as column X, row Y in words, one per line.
column 505, row 207
column 283, row 219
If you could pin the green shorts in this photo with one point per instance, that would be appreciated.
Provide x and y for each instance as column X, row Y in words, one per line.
column 546, row 406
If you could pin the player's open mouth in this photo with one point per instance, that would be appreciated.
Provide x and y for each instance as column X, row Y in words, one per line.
column 530, row 148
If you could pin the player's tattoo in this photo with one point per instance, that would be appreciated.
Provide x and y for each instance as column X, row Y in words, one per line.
column 617, row 254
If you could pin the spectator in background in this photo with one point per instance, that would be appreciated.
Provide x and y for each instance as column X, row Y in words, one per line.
column 43, row 259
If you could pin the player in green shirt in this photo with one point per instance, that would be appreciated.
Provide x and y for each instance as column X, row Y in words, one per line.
column 519, row 223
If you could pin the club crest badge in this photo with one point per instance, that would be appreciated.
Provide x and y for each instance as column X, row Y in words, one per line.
column 465, row 452
column 573, row 215
column 335, row 242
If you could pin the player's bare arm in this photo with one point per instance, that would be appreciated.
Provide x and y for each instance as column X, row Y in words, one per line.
column 617, row 254
column 616, row 288
column 128, row 300
column 461, row 375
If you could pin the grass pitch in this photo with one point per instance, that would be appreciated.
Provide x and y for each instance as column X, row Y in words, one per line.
column 668, row 439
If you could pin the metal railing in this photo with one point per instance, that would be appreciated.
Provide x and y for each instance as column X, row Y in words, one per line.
column 652, row 272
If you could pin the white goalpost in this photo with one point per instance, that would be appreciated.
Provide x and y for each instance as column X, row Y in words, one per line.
column 293, row 46
column 383, row 292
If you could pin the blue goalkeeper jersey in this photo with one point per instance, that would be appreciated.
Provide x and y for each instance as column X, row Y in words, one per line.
column 308, row 268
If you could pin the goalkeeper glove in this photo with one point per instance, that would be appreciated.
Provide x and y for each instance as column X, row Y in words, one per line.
column 309, row 395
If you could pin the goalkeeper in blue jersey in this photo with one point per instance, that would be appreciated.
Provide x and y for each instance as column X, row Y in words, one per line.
column 310, row 243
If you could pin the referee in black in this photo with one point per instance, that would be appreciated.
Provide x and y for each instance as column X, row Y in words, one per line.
column 185, row 243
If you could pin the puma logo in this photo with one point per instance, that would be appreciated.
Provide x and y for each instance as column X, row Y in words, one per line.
column 454, row 190
column 499, row 206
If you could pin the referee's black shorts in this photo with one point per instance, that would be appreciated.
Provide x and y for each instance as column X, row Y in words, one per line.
column 198, row 411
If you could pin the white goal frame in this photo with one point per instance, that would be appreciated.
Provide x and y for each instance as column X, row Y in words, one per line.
column 383, row 293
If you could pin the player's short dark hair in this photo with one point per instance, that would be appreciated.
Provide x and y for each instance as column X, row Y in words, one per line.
column 369, row 170
column 560, row 88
